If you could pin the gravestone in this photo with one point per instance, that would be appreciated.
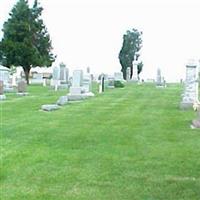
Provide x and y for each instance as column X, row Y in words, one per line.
column 159, row 78
column 88, row 70
column 64, row 73
column 62, row 100
column 190, row 95
column 77, row 81
column 87, row 83
column 4, row 75
column 21, row 88
column 78, row 91
column 135, row 71
column 75, row 91
column 101, row 85
column 2, row 96
column 1, row 87
column 50, row 107
column 118, row 76
column 111, row 82
column 128, row 74
column 56, row 77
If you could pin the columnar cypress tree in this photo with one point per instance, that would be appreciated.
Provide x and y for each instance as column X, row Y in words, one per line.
column 26, row 41
column 132, row 43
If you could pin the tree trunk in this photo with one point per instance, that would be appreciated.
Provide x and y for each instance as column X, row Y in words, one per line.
column 26, row 72
column 124, row 74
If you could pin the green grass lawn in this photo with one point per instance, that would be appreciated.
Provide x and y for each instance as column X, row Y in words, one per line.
column 132, row 143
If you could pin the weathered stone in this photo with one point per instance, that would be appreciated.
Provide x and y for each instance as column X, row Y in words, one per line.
column 128, row 73
column 72, row 97
column 50, row 107
column 190, row 95
column 1, row 87
column 111, row 82
column 21, row 87
column 62, row 100
column 135, row 71
column 118, row 76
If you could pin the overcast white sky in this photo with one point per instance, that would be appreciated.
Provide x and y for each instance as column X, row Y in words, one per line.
column 89, row 32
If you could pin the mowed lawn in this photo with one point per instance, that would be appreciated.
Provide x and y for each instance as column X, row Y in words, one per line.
column 132, row 143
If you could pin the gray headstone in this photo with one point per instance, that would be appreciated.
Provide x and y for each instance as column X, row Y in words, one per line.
column 118, row 76
column 190, row 95
column 62, row 100
column 135, row 71
column 21, row 88
column 88, row 70
column 1, row 87
column 158, row 78
column 50, row 107
column 56, row 73
column 128, row 73
column 111, row 82
column 87, row 83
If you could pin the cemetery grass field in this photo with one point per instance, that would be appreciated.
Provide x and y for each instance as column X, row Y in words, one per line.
column 132, row 143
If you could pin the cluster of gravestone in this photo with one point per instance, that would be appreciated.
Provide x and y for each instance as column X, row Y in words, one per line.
column 7, row 86
column 80, row 87
column 191, row 92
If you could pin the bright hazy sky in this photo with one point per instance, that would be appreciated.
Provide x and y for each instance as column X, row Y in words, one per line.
column 89, row 32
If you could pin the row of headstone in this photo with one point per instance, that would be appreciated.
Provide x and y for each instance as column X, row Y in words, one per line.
column 21, row 89
column 60, row 77
column 80, row 89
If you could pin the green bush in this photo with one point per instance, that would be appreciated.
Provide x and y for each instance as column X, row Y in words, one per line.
column 118, row 84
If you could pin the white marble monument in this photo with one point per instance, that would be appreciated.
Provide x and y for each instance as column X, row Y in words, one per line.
column 190, row 95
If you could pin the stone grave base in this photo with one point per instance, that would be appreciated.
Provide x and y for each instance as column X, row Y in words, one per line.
column 50, row 107
column 195, row 123
column 76, row 97
column 2, row 97
column 22, row 93
column 9, row 89
column 62, row 100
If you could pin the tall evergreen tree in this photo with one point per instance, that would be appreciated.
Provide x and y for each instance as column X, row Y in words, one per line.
column 132, row 43
column 26, row 41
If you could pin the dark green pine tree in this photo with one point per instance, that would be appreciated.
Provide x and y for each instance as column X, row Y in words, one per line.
column 26, row 41
column 132, row 43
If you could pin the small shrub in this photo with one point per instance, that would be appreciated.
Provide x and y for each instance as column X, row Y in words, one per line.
column 118, row 84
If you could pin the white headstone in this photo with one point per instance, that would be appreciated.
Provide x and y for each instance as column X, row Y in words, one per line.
column 128, row 74
column 135, row 71
column 190, row 95
column 118, row 76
